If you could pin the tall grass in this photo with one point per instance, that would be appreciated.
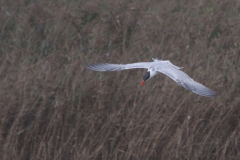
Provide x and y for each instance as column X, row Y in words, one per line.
column 53, row 107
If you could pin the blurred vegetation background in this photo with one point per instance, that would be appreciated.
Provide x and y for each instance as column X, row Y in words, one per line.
column 53, row 107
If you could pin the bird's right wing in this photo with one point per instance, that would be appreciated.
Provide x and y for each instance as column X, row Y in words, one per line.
column 117, row 67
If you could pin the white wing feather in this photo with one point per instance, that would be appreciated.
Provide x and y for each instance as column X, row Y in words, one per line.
column 118, row 67
column 165, row 67
column 184, row 80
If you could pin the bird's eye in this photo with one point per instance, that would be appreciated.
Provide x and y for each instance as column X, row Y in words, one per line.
column 146, row 76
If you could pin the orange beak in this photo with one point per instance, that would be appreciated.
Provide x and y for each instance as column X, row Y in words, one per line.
column 142, row 83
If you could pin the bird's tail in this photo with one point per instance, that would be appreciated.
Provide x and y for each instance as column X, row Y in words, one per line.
column 155, row 59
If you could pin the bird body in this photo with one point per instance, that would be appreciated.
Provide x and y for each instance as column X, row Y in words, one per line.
column 159, row 66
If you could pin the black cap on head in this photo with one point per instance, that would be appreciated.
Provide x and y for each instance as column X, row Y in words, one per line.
column 146, row 76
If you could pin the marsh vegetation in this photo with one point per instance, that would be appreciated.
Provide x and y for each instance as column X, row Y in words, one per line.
column 53, row 107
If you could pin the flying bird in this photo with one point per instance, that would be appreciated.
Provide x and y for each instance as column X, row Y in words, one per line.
column 155, row 67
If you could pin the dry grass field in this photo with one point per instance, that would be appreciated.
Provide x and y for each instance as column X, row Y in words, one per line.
column 53, row 107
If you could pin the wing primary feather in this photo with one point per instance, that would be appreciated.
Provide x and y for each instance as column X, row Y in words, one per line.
column 117, row 67
column 199, row 89
column 105, row 67
column 184, row 80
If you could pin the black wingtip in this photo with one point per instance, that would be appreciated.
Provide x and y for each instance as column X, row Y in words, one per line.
column 91, row 66
column 208, row 93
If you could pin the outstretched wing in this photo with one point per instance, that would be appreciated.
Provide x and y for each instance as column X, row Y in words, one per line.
column 184, row 80
column 198, row 88
column 117, row 67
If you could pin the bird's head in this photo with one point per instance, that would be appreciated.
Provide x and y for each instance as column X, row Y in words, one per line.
column 149, row 74
column 146, row 77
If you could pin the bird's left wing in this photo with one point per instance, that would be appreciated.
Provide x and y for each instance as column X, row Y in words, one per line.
column 117, row 67
column 184, row 80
